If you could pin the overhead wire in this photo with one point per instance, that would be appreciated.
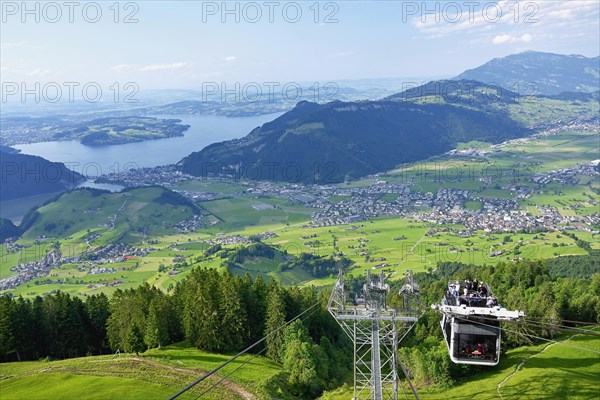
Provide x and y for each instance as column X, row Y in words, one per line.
column 229, row 374
column 241, row 365
column 531, row 336
column 549, row 325
column 569, row 321
column 562, row 327
column 214, row 370
column 414, row 390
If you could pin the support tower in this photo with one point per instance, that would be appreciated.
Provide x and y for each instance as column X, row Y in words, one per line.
column 375, row 330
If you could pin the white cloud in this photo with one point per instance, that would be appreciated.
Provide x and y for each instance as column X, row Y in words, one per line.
column 164, row 67
column 39, row 72
column 540, row 19
column 230, row 58
column 500, row 39
column 561, row 14
column 506, row 38
column 121, row 67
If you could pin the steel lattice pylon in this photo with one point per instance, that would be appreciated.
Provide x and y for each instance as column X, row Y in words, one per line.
column 375, row 330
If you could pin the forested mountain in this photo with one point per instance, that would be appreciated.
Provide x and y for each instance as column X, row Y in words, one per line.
column 8, row 149
column 24, row 175
column 7, row 229
column 533, row 72
column 324, row 143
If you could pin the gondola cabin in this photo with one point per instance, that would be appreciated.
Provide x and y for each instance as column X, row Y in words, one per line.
column 471, row 323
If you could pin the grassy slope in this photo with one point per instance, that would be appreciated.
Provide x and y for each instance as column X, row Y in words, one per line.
column 75, row 212
column 155, row 374
column 548, row 372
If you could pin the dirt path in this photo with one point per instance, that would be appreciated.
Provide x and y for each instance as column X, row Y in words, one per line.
column 155, row 371
column 232, row 386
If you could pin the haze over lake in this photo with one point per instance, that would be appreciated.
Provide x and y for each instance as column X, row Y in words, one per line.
column 94, row 161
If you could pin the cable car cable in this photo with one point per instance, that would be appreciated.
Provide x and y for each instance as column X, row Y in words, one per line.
column 229, row 374
column 563, row 328
column 241, row 365
column 532, row 336
column 539, row 320
column 566, row 320
column 408, row 379
column 556, row 326
column 214, row 370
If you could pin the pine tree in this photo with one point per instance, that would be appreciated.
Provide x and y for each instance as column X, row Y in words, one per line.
column 135, row 340
column 209, row 332
column 7, row 342
column 39, row 348
column 156, row 324
column 275, row 319
column 97, row 310
column 21, row 327
column 233, row 314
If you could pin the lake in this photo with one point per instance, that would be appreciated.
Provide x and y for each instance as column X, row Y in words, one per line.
column 95, row 161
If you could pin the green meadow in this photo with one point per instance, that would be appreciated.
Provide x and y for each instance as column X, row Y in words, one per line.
column 538, row 372
column 154, row 374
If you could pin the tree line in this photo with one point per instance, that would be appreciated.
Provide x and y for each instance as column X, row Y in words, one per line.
column 218, row 312
column 214, row 311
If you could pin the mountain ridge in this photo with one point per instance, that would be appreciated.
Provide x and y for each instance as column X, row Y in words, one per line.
column 539, row 73
column 353, row 139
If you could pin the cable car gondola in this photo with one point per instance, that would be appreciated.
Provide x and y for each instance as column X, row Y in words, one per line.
column 471, row 323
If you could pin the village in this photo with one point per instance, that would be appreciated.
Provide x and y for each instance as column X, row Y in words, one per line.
column 94, row 262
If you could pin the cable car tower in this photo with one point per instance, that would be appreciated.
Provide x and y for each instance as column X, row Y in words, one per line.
column 375, row 330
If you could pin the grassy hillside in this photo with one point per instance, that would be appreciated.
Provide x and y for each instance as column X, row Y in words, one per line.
column 127, row 215
column 155, row 374
column 545, row 371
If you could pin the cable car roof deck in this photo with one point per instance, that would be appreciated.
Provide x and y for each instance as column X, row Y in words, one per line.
column 474, row 298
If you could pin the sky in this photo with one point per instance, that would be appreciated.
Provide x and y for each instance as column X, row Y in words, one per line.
column 185, row 44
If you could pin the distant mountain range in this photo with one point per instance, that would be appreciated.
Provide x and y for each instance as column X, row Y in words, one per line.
column 333, row 142
column 532, row 73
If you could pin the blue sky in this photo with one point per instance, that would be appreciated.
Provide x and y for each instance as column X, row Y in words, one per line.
column 183, row 44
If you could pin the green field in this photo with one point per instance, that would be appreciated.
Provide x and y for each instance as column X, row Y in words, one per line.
column 509, row 164
column 123, row 216
column 241, row 212
column 545, row 371
column 400, row 244
column 155, row 374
